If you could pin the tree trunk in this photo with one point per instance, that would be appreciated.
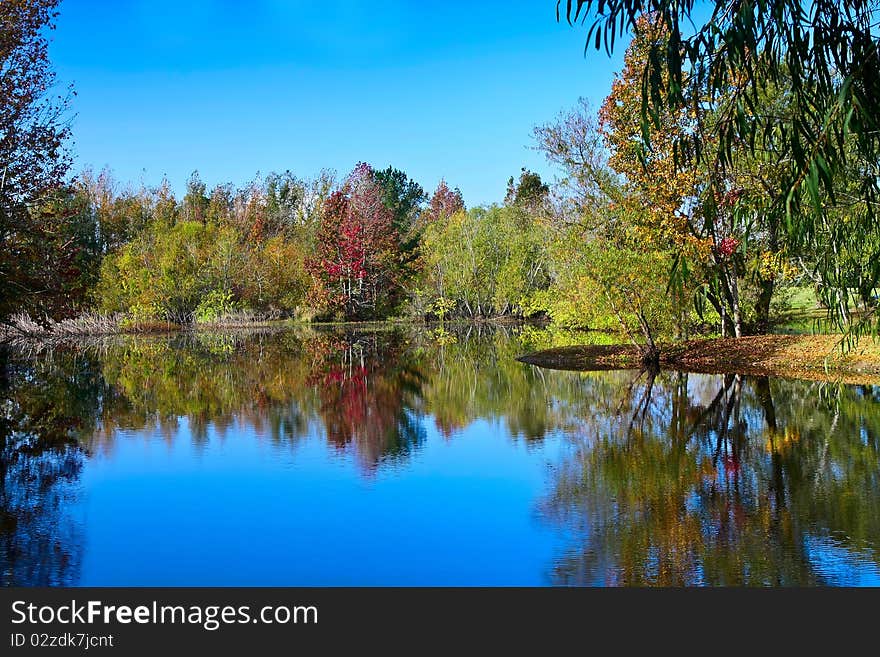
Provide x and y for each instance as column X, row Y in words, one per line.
column 762, row 306
column 718, row 305
column 651, row 357
column 731, row 296
column 650, row 351
column 734, row 298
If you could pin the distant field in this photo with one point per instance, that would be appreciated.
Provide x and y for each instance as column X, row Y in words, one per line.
column 803, row 298
column 804, row 315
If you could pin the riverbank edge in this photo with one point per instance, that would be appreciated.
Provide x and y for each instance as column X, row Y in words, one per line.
column 60, row 333
column 811, row 357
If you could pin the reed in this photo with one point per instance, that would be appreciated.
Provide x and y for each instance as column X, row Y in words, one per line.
column 23, row 326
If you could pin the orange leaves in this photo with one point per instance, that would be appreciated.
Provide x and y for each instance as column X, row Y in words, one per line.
column 657, row 191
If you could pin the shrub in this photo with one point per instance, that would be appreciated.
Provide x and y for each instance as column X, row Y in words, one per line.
column 214, row 305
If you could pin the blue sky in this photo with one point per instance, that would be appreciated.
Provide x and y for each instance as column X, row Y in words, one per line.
column 447, row 89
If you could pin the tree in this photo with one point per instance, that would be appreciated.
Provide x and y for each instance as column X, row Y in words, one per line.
column 165, row 210
column 828, row 58
column 273, row 276
column 727, row 239
column 195, row 202
column 294, row 205
column 608, row 261
column 574, row 143
column 608, row 279
column 357, row 266
column 443, row 204
column 120, row 215
column 402, row 196
column 33, row 133
column 165, row 272
column 487, row 261
column 220, row 201
column 240, row 251
column 529, row 192
column 70, row 253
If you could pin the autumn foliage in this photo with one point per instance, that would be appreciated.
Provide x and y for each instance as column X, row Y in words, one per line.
column 357, row 264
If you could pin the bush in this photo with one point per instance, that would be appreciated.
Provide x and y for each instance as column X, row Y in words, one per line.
column 199, row 272
column 214, row 305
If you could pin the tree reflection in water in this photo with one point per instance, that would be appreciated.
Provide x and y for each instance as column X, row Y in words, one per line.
column 720, row 480
column 368, row 388
column 46, row 408
column 670, row 478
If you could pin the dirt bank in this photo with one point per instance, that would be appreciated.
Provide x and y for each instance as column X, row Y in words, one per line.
column 814, row 357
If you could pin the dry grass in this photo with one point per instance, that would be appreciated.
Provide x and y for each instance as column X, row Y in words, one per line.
column 239, row 319
column 24, row 327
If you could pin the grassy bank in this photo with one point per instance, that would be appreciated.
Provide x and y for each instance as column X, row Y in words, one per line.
column 815, row 357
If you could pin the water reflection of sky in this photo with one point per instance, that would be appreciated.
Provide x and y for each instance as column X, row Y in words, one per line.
column 840, row 565
column 237, row 509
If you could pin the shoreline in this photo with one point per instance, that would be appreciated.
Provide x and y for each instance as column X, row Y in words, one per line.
column 810, row 357
column 61, row 332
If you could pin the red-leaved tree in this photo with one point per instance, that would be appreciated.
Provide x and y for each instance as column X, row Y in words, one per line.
column 357, row 265
column 444, row 203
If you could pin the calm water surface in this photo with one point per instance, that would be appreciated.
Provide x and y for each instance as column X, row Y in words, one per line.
column 388, row 458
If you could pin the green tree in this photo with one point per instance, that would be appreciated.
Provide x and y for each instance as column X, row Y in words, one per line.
column 611, row 254
column 487, row 261
column 164, row 274
column 194, row 205
column 401, row 195
column 404, row 197
column 529, row 192
column 71, row 250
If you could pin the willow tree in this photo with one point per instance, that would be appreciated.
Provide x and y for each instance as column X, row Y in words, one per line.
column 823, row 53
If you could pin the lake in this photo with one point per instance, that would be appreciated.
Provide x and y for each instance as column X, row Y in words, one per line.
column 408, row 457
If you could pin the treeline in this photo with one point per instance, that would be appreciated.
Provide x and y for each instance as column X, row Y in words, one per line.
column 370, row 246
column 633, row 235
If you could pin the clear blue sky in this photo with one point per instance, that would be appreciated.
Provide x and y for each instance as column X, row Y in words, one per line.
column 232, row 88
